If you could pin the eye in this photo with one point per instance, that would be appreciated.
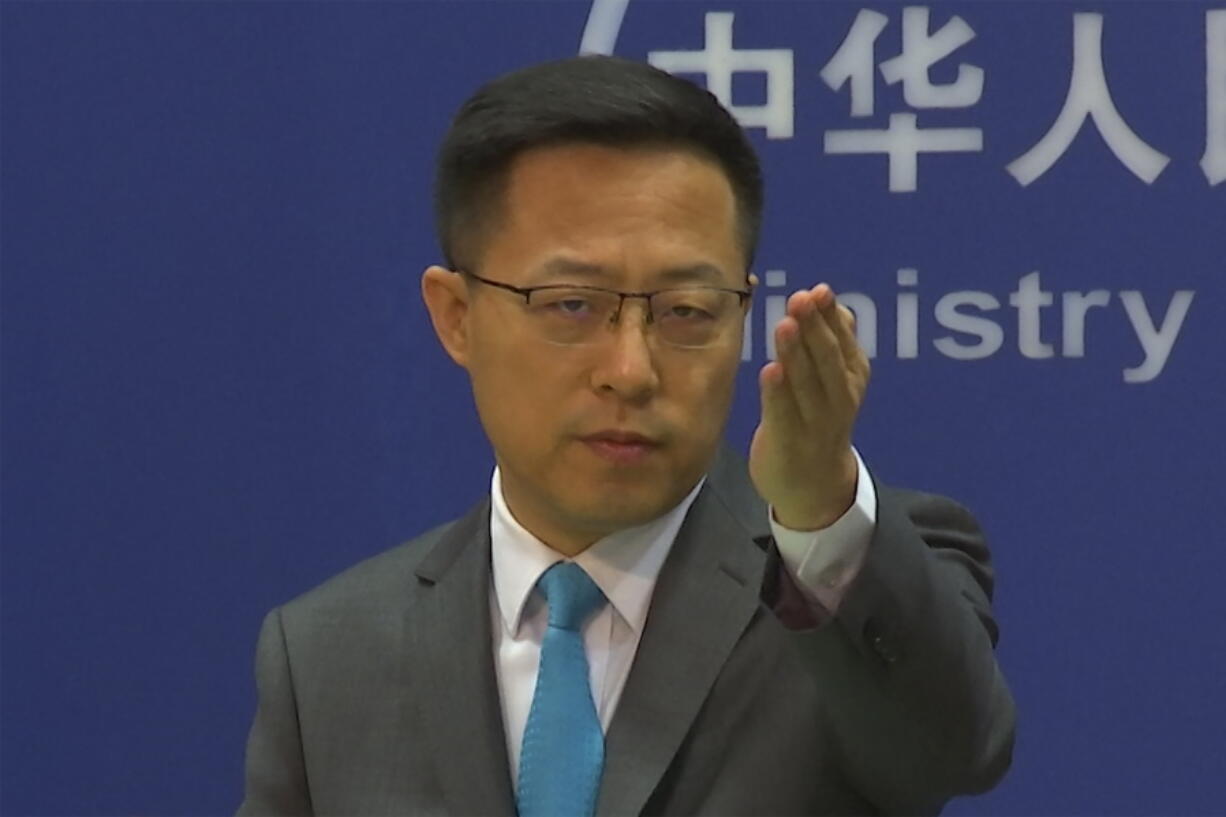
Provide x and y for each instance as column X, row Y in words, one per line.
column 688, row 312
column 567, row 304
column 572, row 306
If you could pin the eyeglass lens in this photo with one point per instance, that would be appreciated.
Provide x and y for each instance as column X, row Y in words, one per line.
column 693, row 318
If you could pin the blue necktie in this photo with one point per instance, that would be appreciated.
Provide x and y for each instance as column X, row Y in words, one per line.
column 563, row 750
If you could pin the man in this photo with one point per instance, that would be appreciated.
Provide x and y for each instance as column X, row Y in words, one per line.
column 636, row 620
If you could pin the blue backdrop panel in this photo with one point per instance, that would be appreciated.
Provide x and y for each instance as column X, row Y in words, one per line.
column 220, row 387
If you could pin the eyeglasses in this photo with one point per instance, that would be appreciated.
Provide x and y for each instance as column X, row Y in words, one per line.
column 691, row 317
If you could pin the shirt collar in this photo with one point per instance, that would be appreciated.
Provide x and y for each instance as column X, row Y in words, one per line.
column 624, row 565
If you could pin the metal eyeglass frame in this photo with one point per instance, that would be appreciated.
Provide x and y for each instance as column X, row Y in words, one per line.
column 527, row 293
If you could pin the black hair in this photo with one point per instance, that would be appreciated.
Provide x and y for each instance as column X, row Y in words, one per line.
column 595, row 99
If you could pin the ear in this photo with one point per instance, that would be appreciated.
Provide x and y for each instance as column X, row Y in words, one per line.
column 446, row 296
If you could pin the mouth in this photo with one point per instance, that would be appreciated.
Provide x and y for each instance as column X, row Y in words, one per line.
column 621, row 447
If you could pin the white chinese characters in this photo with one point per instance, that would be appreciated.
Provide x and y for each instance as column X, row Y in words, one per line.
column 1088, row 98
column 1213, row 163
column 854, row 67
column 903, row 140
column 718, row 61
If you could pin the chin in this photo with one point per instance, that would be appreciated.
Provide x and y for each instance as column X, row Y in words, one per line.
column 621, row 507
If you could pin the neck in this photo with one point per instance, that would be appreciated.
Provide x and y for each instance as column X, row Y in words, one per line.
column 569, row 539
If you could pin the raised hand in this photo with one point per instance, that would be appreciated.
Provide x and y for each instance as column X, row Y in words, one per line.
column 800, row 458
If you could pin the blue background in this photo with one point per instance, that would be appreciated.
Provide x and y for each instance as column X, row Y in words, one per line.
column 219, row 385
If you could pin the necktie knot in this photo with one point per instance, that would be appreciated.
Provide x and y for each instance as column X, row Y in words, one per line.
column 571, row 593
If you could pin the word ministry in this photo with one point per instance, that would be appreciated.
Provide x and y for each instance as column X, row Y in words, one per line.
column 975, row 326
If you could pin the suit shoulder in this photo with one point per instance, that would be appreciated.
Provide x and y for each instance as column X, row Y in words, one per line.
column 369, row 583
column 926, row 509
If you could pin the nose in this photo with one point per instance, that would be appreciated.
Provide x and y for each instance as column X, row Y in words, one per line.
column 624, row 364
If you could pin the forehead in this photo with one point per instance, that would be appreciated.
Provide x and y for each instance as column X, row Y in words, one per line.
column 629, row 213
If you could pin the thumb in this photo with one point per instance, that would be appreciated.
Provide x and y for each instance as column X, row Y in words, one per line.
column 779, row 409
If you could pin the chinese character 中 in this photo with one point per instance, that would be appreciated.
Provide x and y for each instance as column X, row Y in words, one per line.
column 718, row 61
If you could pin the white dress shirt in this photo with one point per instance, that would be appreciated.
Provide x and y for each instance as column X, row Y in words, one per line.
column 625, row 566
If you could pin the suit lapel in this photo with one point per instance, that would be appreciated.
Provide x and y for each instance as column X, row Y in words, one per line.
column 450, row 637
column 707, row 593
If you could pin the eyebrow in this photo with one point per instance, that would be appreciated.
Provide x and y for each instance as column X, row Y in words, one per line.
column 568, row 268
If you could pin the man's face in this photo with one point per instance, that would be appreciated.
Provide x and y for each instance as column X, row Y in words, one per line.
column 568, row 423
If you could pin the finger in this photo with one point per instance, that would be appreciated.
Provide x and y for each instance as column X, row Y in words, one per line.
column 802, row 303
column 803, row 380
column 853, row 353
column 843, row 321
column 823, row 295
column 778, row 405
column 825, row 349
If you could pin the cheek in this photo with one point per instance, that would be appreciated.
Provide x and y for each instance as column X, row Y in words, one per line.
column 705, row 393
column 518, row 391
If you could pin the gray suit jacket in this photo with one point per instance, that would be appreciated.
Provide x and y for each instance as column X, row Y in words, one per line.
column 377, row 693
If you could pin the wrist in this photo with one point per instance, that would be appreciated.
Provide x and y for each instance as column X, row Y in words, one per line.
column 824, row 503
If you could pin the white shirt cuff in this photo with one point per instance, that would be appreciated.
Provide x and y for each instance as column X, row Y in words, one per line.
column 824, row 562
